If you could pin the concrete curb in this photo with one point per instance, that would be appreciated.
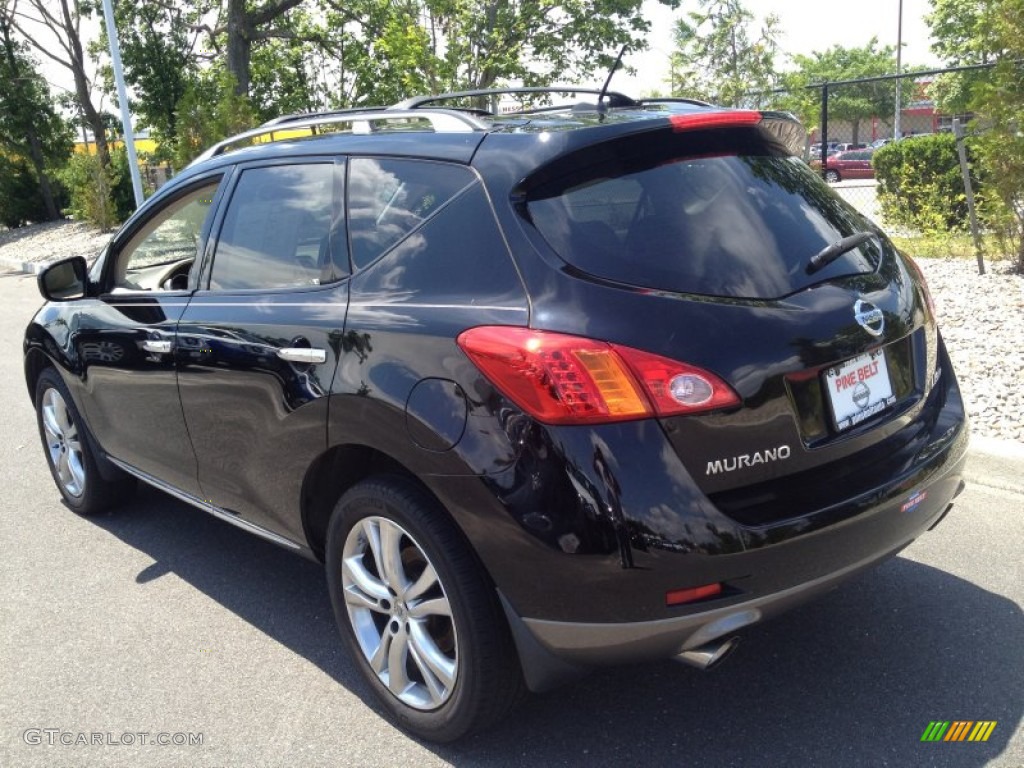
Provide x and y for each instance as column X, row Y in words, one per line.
column 27, row 267
column 996, row 464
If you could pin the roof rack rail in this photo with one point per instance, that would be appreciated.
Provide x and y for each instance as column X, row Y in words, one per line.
column 441, row 120
column 310, row 115
column 613, row 98
column 676, row 100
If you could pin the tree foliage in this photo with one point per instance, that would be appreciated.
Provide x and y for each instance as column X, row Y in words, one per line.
column 30, row 130
column 852, row 103
column 161, row 48
column 722, row 57
column 968, row 32
column 54, row 29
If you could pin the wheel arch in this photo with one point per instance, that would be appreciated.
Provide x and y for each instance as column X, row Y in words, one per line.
column 36, row 361
column 338, row 469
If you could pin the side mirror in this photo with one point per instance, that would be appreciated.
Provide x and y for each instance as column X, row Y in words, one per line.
column 65, row 280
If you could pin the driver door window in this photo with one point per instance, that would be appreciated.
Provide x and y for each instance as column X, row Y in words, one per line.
column 160, row 255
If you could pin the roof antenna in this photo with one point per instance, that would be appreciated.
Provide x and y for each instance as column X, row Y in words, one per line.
column 602, row 108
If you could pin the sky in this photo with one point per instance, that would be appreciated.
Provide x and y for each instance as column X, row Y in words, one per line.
column 806, row 27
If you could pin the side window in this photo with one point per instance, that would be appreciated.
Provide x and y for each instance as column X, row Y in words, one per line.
column 160, row 255
column 387, row 199
column 277, row 231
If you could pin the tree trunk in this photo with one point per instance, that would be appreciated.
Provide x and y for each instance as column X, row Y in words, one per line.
column 239, row 46
column 77, row 64
column 36, row 155
column 856, row 132
column 35, row 146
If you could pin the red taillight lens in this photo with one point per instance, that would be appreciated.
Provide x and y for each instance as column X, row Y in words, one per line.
column 562, row 379
column 677, row 388
column 696, row 121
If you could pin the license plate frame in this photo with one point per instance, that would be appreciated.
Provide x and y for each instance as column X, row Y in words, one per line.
column 858, row 389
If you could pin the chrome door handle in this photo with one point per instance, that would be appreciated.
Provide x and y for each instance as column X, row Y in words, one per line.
column 159, row 347
column 307, row 355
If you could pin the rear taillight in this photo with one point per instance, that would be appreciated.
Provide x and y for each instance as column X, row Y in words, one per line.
column 562, row 379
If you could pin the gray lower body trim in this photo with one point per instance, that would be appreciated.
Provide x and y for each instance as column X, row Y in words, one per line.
column 612, row 643
column 206, row 506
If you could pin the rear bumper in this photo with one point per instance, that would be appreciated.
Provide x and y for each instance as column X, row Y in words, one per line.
column 593, row 644
column 591, row 527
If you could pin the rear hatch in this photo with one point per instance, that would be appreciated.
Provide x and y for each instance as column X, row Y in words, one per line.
column 721, row 248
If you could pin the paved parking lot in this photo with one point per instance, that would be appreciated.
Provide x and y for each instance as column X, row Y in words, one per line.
column 156, row 619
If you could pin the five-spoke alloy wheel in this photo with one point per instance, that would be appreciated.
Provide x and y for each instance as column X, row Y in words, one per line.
column 418, row 611
column 68, row 451
column 400, row 613
column 63, row 443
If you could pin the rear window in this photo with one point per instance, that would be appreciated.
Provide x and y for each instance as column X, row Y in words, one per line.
column 733, row 225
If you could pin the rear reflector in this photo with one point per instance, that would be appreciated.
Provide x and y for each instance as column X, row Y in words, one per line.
column 699, row 120
column 562, row 379
column 680, row 596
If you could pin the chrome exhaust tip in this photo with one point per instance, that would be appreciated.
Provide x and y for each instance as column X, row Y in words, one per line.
column 709, row 655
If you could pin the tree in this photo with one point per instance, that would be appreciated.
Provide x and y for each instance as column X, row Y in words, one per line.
column 160, row 50
column 856, row 102
column 718, row 60
column 29, row 125
column 246, row 25
column 390, row 49
column 64, row 24
column 969, row 32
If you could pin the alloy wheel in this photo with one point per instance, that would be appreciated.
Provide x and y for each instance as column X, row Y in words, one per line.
column 400, row 613
column 63, row 443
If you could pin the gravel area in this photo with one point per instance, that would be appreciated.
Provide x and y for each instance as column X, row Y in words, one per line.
column 981, row 317
column 51, row 241
column 982, row 321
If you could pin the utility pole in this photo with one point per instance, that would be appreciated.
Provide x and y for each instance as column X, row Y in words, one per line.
column 122, row 96
column 899, row 80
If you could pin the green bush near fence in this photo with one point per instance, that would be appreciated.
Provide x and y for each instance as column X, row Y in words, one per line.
column 103, row 198
column 920, row 185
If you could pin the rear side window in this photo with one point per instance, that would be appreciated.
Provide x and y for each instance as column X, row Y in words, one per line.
column 277, row 229
column 733, row 225
column 388, row 199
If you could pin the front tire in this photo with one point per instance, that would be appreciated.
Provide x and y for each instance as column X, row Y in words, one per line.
column 68, row 450
column 832, row 176
column 418, row 612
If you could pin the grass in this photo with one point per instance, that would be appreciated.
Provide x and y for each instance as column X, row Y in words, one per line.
column 957, row 246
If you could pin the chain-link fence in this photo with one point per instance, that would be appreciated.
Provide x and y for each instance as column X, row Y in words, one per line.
column 849, row 121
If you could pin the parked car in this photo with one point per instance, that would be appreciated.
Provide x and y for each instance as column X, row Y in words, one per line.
column 847, row 165
column 545, row 391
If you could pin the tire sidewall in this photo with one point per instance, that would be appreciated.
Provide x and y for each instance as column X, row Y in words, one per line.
column 451, row 719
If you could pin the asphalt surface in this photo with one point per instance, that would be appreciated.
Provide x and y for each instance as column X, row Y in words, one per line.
column 157, row 619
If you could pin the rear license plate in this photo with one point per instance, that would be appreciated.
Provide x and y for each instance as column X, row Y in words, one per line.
column 858, row 389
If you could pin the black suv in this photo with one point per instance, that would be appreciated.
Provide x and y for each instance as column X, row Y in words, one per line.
column 583, row 384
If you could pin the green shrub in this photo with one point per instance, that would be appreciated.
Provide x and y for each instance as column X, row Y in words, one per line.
column 103, row 198
column 920, row 185
column 20, row 199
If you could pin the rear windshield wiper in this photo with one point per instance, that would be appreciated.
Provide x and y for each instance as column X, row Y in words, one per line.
column 830, row 253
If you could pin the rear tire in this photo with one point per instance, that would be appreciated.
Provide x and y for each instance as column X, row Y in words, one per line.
column 418, row 613
column 68, row 451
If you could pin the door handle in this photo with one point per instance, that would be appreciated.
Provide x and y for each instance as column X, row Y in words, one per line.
column 159, row 347
column 307, row 355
